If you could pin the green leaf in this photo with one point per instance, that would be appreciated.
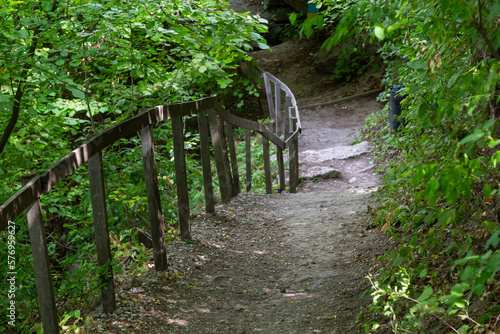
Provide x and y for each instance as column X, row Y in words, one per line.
column 293, row 18
column 23, row 33
column 78, row 93
column 446, row 217
column 202, row 69
column 493, row 143
column 486, row 190
column 425, row 294
column 478, row 134
column 459, row 289
column 468, row 273
column 488, row 124
column 397, row 261
column 494, row 240
column 431, row 192
column 263, row 46
column 423, row 109
column 463, row 329
column 494, row 11
column 379, row 32
column 417, row 64
column 47, row 6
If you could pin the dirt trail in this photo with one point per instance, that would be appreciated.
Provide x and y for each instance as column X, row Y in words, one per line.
column 285, row 263
column 282, row 263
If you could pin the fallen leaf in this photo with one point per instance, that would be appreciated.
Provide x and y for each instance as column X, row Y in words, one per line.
column 384, row 228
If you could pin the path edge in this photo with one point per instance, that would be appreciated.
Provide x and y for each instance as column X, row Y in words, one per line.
column 344, row 99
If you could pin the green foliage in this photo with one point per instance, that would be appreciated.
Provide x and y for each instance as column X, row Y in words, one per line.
column 71, row 68
column 352, row 62
column 440, row 172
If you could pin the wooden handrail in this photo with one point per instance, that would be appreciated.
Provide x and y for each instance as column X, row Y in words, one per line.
column 28, row 197
column 250, row 125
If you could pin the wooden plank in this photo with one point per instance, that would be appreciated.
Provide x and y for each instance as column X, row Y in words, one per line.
column 248, row 147
column 288, row 104
column 205, row 162
column 294, row 136
column 281, row 169
column 267, row 165
column 45, row 287
column 172, row 111
column 234, row 158
column 100, row 215
column 181, row 178
column 20, row 201
column 154, row 202
column 277, row 108
column 269, row 95
column 252, row 125
column 222, row 172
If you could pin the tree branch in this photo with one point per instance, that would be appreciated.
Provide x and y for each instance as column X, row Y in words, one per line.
column 16, row 106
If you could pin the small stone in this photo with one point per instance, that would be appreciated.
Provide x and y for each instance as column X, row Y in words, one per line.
column 353, row 180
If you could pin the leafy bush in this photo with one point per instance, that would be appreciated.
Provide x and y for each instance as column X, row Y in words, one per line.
column 440, row 172
column 352, row 62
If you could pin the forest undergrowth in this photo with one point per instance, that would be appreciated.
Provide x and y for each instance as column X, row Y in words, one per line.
column 70, row 69
column 439, row 201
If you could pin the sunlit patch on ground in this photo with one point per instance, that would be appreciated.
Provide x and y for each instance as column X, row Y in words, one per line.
column 178, row 322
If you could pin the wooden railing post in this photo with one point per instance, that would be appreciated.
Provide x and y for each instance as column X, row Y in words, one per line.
column 154, row 202
column 101, row 231
column 225, row 184
column 205, row 162
column 181, row 178
column 267, row 165
column 225, row 156
column 281, row 169
column 277, row 108
column 288, row 104
column 234, row 158
column 45, row 287
column 248, row 147
column 293, row 158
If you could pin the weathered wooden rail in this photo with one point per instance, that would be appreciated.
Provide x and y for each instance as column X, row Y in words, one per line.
column 213, row 118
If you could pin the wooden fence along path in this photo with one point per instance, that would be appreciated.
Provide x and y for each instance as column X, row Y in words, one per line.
column 213, row 118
